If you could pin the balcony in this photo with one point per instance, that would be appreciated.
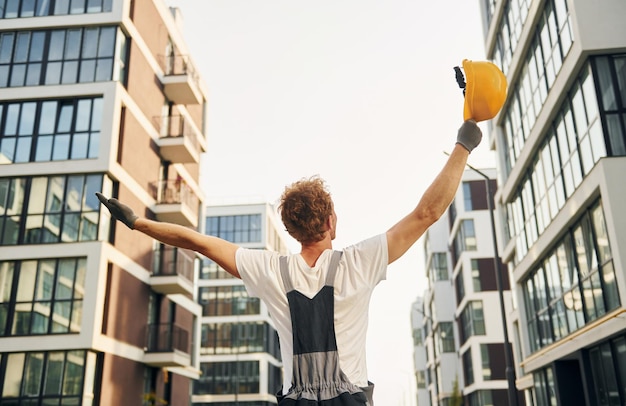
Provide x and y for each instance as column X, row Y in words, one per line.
column 179, row 141
column 172, row 271
column 167, row 345
column 180, row 80
column 175, row 202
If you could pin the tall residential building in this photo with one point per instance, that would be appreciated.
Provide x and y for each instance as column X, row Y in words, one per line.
column 461, row 319
column 239, row 354
column 96, row 95
column 419, row 352
column 560, row 141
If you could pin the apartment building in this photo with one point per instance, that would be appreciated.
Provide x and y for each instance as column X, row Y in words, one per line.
column 560, row 141
column 462, row 329
column 419, row 351
column 96, row 95
column 239, row 355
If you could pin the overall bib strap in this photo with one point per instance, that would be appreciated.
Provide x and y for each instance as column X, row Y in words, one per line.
column 332, row 268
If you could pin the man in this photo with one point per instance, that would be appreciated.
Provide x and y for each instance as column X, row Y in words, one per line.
column 319, row 298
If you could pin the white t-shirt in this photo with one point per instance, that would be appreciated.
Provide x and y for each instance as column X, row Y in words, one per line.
column 360, row 269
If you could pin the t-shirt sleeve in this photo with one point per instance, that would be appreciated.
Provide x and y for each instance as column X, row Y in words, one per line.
column 370, row 257
column 257, row 269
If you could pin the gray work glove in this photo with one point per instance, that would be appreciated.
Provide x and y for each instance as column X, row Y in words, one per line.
column 469, row 135
column 119, row 211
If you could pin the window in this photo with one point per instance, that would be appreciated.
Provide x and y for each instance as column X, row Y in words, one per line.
column 51, row 130
column 65, row 56
column 476, row 285
column 571, row 147
column 420, row 377
column 545, row 393
column 551, row 43
column 610, row 72
column 444, row 336
column 218, row 378
column 41, row 296
column 227, row 300
column 439, row 266
column 492, row 359
column 417, row 337
column 211, row 270
column 39, row 8
column 47, row 377
column 575, row 283
column 49, row 209
column 465, row 238
column 238, row 229
column 238, row 338
column 468, row 368
column 486, row 365
column 467, row 196
column 472, row 320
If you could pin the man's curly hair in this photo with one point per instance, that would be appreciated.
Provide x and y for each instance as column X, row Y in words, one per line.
column 304, row 207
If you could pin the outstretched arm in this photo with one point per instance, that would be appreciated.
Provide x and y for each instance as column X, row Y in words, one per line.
column 437, row 197
column 218, row 250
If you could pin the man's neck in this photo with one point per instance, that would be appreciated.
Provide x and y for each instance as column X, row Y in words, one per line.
column 311, row 252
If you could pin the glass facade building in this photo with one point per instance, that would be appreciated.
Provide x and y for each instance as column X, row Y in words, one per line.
column 239, row 353
column 92, row 313
column 560, row 142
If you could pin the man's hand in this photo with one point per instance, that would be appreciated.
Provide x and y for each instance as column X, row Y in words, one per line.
column 119, row 211
column 469, row 135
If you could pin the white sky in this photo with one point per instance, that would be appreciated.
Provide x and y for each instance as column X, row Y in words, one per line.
column 361, row 92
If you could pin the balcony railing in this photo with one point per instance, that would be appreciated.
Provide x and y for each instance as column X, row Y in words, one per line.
column 169, row 261
column 167, row 337
column 167, row 345
column 172, row 271
column 181, row 81
column 179, row 141
column 175, row 202
column 174, row 192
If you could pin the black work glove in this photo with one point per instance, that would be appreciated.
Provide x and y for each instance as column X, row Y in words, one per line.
column 119, row 211
column 469, row 135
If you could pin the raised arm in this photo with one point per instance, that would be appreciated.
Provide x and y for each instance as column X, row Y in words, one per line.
column 218, row 250
column 437, row 197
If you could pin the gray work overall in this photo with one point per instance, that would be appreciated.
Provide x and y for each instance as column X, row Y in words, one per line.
column 317, row 377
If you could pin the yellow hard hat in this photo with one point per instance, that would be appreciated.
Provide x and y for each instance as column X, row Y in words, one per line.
column 485, row 91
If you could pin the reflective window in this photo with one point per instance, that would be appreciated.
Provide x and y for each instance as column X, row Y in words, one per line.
column 513, row 20
column 41, row 296
column 465, row 238
column 211, row 270
column 551, row 42
column 468, row 368
column 444, row 338
column 49, row 209
column 475, row 269
column 545, row 394
column 574, row 284
column 218, row 378
column 238, row 229
column 39, row 8
column 73, row 55
column 611, row 79
column 439, row 266
column 47, row 378
column 239, row 338
column 472, row 320
column 573, row 145
column 485, row 397
column 50, row 130
column 227, row 300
